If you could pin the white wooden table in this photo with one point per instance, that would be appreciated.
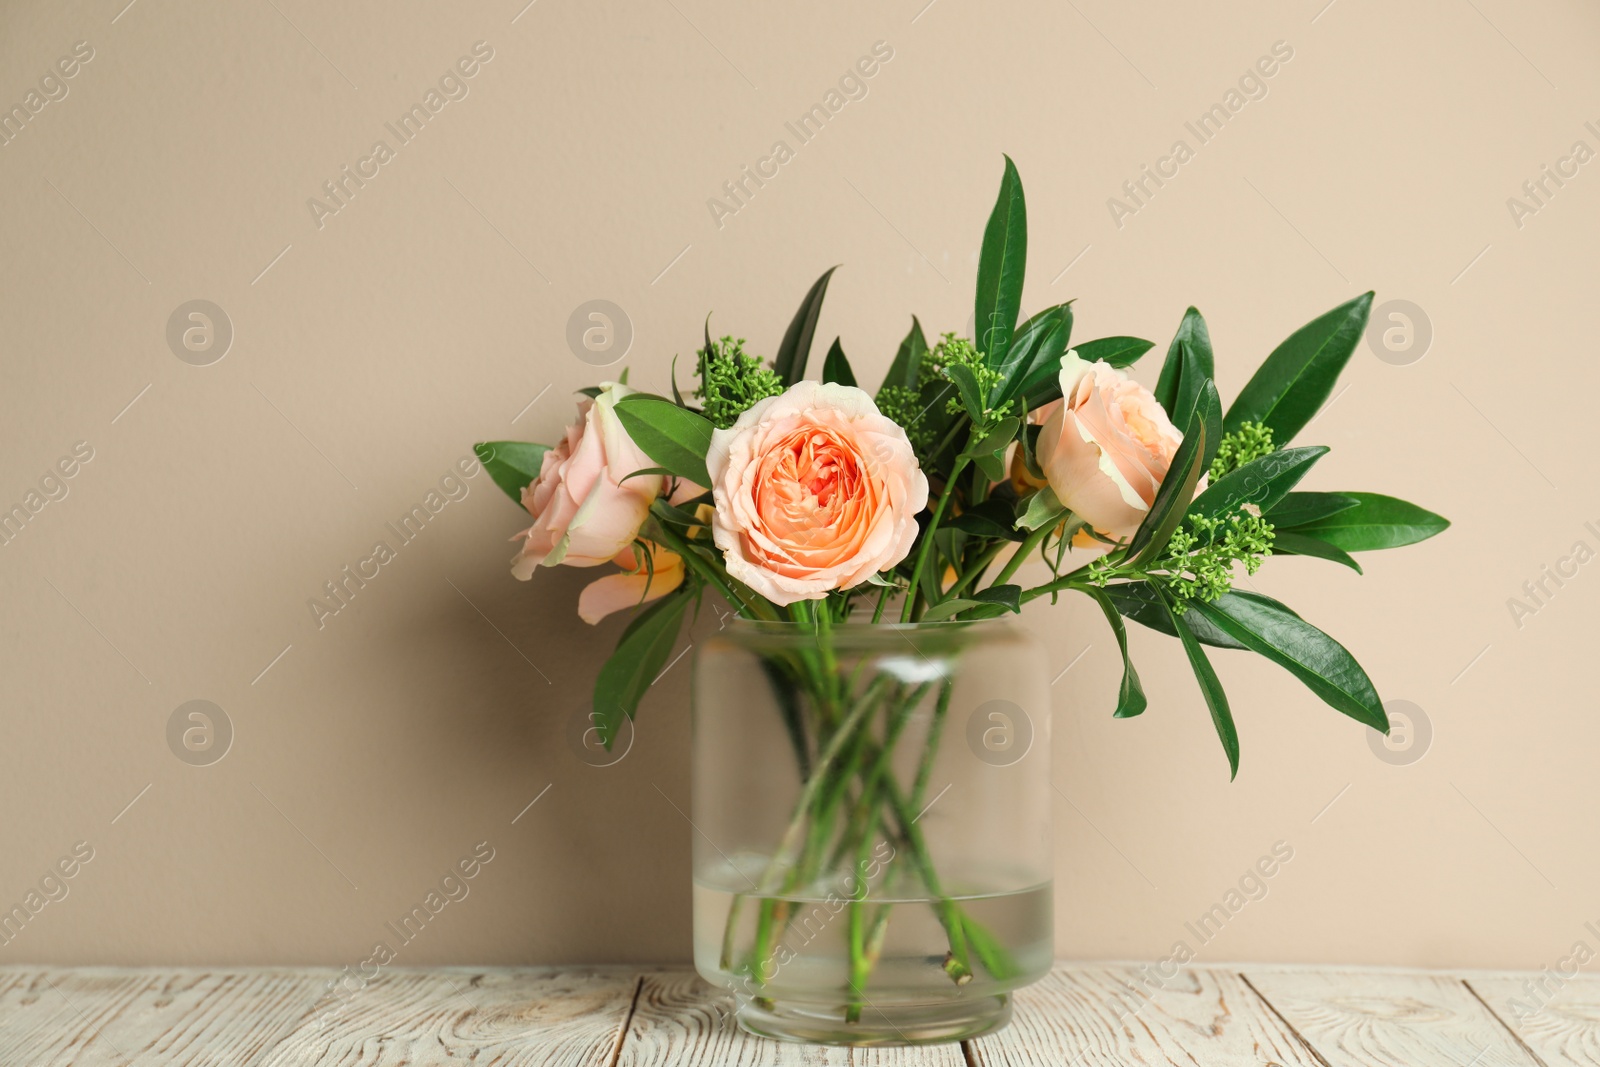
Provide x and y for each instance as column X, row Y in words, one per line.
column 1083, row 1014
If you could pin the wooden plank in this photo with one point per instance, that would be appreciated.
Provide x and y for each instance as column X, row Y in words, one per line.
column 1090, row 1016
column 527, row 1017
column 509, row 1017
column 1389, row 1019
column 1559, row 1019
column 1080, row 1016
column 91, row 1016
column 681, row 1020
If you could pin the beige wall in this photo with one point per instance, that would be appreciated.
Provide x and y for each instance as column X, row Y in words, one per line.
column 374, row 752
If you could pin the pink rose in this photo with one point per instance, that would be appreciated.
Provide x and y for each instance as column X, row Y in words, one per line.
column 584, row 514
column 815, row 491
column 1106, row 446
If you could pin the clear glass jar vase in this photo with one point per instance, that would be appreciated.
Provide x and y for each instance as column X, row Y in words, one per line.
column 872, row 806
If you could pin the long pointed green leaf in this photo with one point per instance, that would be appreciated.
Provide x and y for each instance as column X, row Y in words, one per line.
column 836, row 368
column 1141, row 602
column 1296, row 508
column 994, row 518
column 1193, row 332
column 674, row 437
column 1323, row 664
column 795, row 350
column 1041, row 382
column 1290, row 543
column 1177, row 488
column 1377, row 521
column 1262, row 482
column 640, row 655
column 1035, row 354
column 1298, row 377
column 1211, row 689
column 1117, row 351
column 907, row 365
column 1210, row 407
column 512, row 464
column 1131, row 700
column 677, row 395
column 967, row 384
column 1196, row 373
column 1000, row 269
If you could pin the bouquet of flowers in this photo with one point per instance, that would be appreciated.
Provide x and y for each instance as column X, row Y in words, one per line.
column 817, row 502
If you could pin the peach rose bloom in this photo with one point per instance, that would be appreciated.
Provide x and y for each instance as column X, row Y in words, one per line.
column 815, row 491
column 584, row 514
column 640, row 585
column 1106, row 446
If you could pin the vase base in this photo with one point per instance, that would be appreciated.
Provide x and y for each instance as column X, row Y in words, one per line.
column 879, row 1026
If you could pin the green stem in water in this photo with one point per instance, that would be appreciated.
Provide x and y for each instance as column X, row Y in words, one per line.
column 930, row 749
column 866, row 945
column 860, row 962
column 814, row 802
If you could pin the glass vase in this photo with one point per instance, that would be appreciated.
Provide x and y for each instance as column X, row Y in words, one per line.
column 872, row 856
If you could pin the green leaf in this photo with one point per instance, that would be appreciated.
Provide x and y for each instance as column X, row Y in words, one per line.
column 1117, row 351
column 966, row 384
column 1191, row 331
column 1375, row 522
column 1042, row 381
column 677, row 397
column 836, row 368
column 1177, row 488
column 1297, row 508
column 1262, row 482
column 1131, row 700
column 1141, row 602
column 992, row 464
column 640, row 655
column 512, row 464
column 1289, row 543
column 795, row 350
column 994, row 518
column 907, row 365
column 1030, row 450
column 1211, row 689
column 1007, row 596
column 1263, row 625
column 1196, row 375
column 989, row 453
column 674, row 515
column 643, row 472
column 994, row 601
column 1033, row 361
column 676, row 438
column 1044, row 509
column 1209, row 404
column 1298, row 377
column 946, row 608
column 1000, row 269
